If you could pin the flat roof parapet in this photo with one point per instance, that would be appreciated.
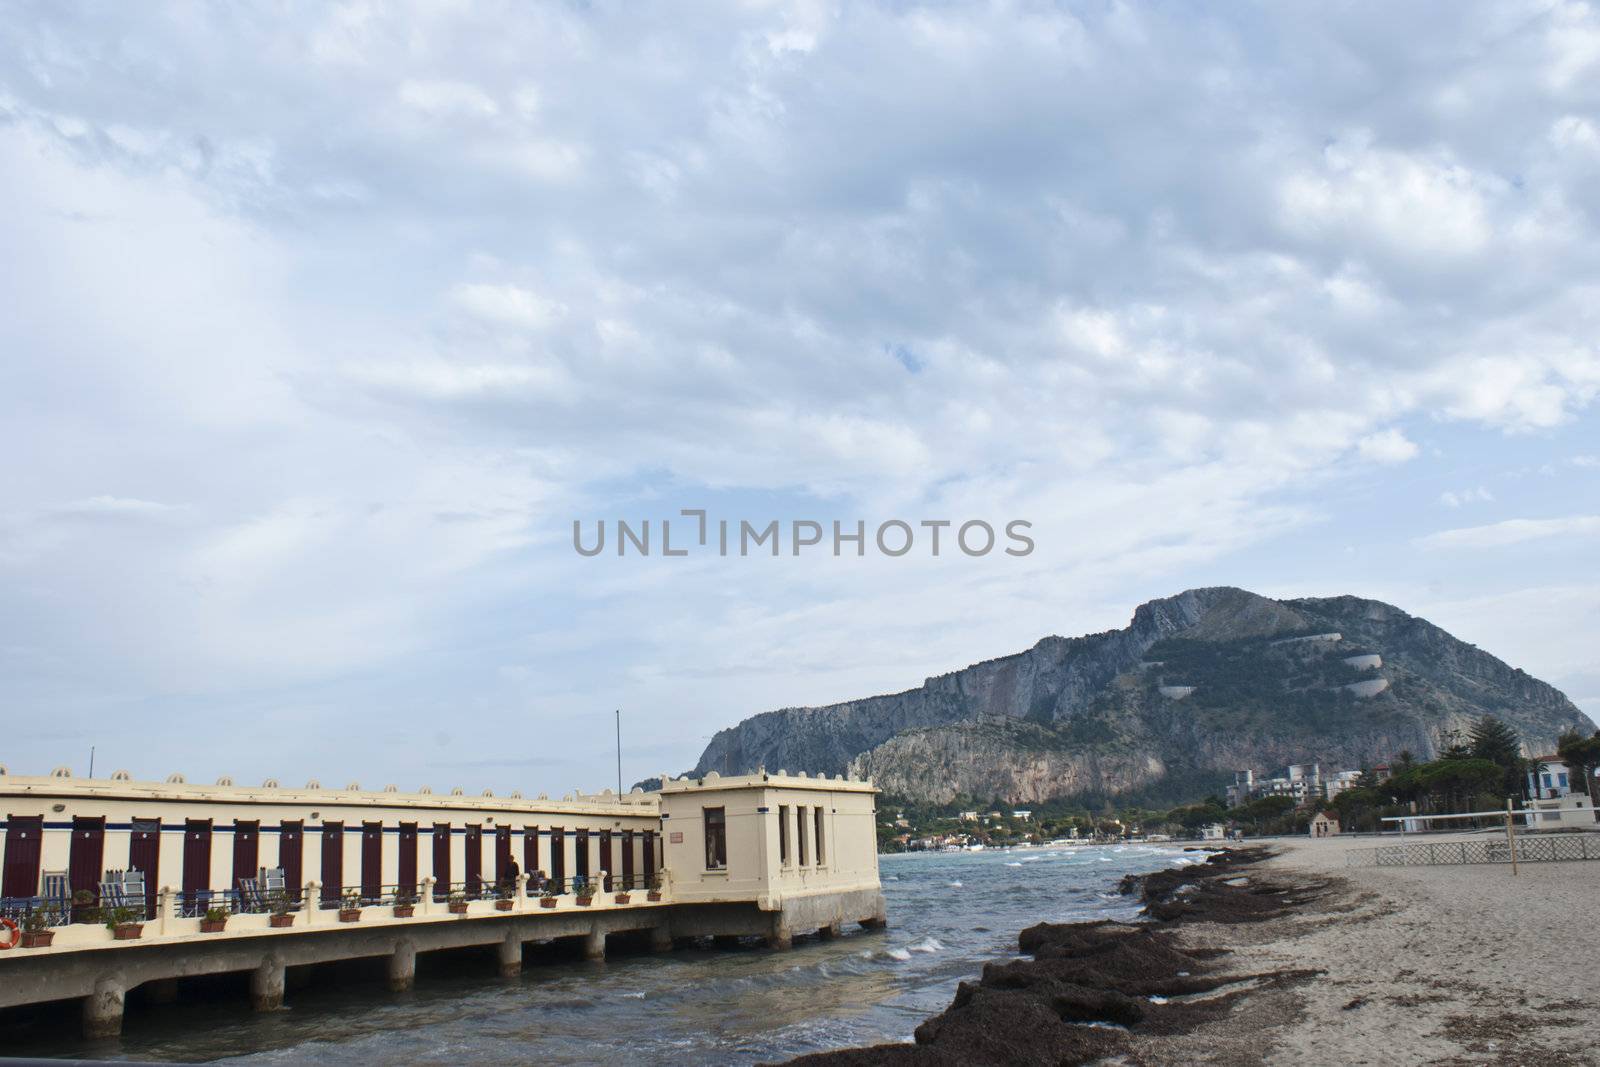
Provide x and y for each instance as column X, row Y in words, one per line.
column 712, row 780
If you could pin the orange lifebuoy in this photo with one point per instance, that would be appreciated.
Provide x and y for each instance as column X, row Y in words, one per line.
column 11, row 935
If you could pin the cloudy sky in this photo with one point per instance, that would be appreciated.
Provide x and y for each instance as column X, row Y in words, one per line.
column 323, row 322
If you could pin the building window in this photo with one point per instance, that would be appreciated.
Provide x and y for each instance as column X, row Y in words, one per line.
column 1546, row 778
column 783, row 835
column 800, row 835
column 821, row 856
column 1561, row 779
column 716, row 839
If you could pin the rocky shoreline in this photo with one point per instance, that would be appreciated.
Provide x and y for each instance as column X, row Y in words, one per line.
column 1091, row 987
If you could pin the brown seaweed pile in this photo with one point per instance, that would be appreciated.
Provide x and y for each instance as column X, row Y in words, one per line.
column 1088, row 985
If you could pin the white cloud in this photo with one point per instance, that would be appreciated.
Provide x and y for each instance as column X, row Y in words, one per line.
column 447, row 99
column 1512, row 532
column 1387, row 446
column 506, row 305
column 1455, row 498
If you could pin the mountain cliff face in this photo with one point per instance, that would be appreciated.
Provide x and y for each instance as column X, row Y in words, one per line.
column 1198, row 685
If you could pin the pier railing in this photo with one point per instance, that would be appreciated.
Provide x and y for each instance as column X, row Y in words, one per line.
column 1553, row 849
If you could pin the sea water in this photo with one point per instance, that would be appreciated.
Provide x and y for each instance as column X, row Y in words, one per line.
column 948, row 914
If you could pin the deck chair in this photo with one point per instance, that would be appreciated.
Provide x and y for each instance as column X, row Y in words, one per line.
column 250, row 895
column 57, row 889
column 133, row 888
column 112, row 894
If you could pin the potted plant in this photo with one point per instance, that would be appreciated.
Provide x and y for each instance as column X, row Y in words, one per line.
column 655, row 886
column 458, row 902
column 83, row 907
column 405, row 905
column 280, row 903
column 585, row 893
column 120, row 921
column 622, row 897
column 215, row 921
column 350, row 907
column 548, row 892
column 503, row 898
column 36, row 932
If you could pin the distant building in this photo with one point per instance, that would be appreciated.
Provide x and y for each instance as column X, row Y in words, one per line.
column 969, row 816
column 1338, row 782
column 1022, row 813
column 1302, row 781
column 1552, row 779
column 1382, row 772
column 1213, row 832
column 1326, row 824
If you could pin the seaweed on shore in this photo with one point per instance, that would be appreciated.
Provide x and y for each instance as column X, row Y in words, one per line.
column 1090, row 984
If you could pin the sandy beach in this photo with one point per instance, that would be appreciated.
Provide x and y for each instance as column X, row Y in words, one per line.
column 1423, row 965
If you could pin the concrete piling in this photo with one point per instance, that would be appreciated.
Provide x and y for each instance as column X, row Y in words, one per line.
column 403, row 966
column 594, row 945
column 266, row 985
column 102, row 1009
column 510, row 952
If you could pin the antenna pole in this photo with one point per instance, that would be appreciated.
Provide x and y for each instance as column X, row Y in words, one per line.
column 91, row 761
column 619, row 752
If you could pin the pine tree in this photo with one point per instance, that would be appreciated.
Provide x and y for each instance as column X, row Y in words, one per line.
column 1492, row 740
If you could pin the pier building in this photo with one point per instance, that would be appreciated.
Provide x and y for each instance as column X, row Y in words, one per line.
column 107, row 885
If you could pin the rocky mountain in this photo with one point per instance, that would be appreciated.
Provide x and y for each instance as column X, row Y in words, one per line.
column 1197, row 686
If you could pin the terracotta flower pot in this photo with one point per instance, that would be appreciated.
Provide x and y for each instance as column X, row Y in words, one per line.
column 38, row 938
column 547, row 902
column 584, row 902
column 503, row 905
column 128, row 932
column 622, row 898
column 278, row 922
column 212, row 926
column 404, row 911
column 458, row 907
column 349, row 915
column 654, row 894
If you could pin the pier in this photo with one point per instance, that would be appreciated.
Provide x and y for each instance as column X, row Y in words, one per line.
column 769, row 856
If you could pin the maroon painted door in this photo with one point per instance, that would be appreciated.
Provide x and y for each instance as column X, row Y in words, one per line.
column 196, row 858
column 332, row 860
column 246, row 851
column 502, row 856
column 474, row 872
column 558, row 854
column 627, row 860
column 371, row 860
column 441, row 861
column 605, row 859
column 87, row 857
column 649, row 855
column 144, row 854
column 24, row 838
column 407, row 877
column 580, row 854
column 291, row 857
column 530, row 853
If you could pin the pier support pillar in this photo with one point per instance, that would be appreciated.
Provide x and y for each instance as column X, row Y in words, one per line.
column 831, row 931
column 102, row 1009
column 594, row 945
column 660, row 939
column 511, row 955
column 161, row 991
column 266, row 985
column 779, row 936
column 403, row 967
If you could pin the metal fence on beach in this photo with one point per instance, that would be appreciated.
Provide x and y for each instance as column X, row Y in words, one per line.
column 1483, row 850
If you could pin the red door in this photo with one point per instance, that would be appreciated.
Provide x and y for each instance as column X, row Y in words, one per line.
column 86, row 859
column 196, row 860
column 474, row 871
column 408, row 858
column 246, row 851
column 24, row 837
column 371, row 860
column 502, row 855
column 627, row 860
column 291, row 857
column 332, row 860
column 605, row 859
column 649, row 855
column 441, row 860
column 558, row 854
column 580, row 854
column 144, row 854
column 530, row 852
